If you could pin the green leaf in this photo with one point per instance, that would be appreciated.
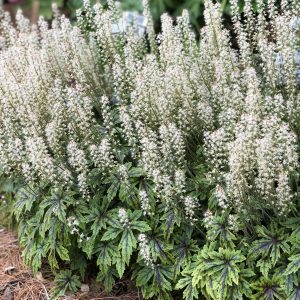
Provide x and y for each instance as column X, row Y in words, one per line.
column 113, row 189
column 143, row 276
column 158, row 247
column 135, row 215
column 270, row 247
column 78, row 262
column 107, row 278
column 183, row 249
column 120, row 266
column 128, row 193
column 52, row 260
column 294, row 225
column 111, row 233
column 162, row 277
column 190, row 292
column 97, row 214
column 221, row 269
column 289, row 283
column 24, row 201
column 140, row 226
column 56, row 293
column 37, row 257
column 294, row 264
column 65, row 281
column 268, row 289
column 264, row 266
column 62, row 252
column 108, row 253
column 243, row 289
column 169, row 219
column 127, row 244
column 88, row 247
column 295, row 295
column 135, row 172
column 55, row 205
column 220, row 231
column 7, row 185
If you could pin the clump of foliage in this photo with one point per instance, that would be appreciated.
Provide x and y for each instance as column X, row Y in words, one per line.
column 168, row 159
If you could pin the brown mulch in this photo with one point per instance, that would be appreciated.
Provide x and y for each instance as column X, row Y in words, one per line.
column 18, row 283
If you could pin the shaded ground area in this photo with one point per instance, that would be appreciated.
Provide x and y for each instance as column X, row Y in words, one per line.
column 18, row 283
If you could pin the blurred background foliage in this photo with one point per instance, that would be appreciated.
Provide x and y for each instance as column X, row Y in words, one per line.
column 33, row 8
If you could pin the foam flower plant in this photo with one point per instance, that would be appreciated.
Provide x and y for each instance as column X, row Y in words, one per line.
column 165, row 158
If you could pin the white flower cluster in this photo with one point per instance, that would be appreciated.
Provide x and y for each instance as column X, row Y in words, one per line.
column 68, row 100
column 123, row 217
column 145, row 251
column 190, row 205
column 73, row 223
column 78, row 161
column 253, row 149
column 145, row 202
column 233, row 222
column 258, row 155
column 208, row 219
column 48, row 84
